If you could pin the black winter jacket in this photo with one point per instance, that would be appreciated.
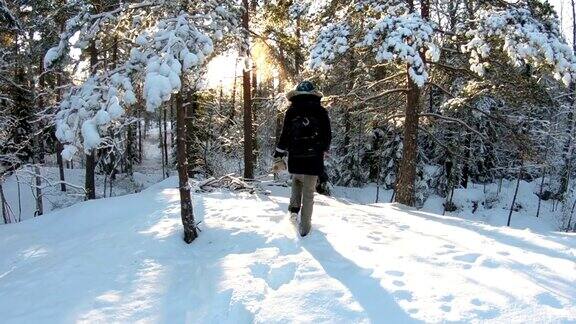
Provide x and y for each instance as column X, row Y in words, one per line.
column 305, row 106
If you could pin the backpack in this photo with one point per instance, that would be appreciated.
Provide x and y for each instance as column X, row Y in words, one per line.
column 304, row 136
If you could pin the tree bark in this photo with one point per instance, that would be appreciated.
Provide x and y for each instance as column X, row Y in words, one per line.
column 130, row 154
column 39, row 202
column 165, row 140
column 279, row 114
column 90, row 182
column 515, row 195
column 187, row 214
column 139, row 135
column 89, row 179
column 407, row 170
column 4, row 203
column 297, row 56
column 248, row 127
column 60, row 147
column 233, row 103
column 406, row 182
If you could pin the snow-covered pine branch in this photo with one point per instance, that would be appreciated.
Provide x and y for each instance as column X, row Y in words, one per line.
column 298, row 9
column 162, row 54
column 332, row 40
column 88, row 110
column 86, row 25
column 391, row 7
column 524, row 39
column 391, row 37
column 403, row 38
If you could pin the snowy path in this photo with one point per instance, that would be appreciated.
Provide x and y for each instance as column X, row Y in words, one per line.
column 122, row 260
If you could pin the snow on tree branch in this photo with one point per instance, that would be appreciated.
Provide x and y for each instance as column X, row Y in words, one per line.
column 526, row 40
column 394, row 7
column 391, row 37
column 298, row 9
column 161, row 55
column 332, row 40
column 88, row 25
column 403, row 38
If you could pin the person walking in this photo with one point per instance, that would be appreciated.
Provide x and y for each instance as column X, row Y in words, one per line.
column 305, row 139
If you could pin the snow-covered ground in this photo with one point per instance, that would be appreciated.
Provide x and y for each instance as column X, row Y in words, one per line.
column 484, row 203
column 122, row 259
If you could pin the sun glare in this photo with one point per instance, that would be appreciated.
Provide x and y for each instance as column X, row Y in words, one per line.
column 222, row 69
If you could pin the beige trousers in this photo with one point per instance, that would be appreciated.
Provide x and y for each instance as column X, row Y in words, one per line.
column 302, row 199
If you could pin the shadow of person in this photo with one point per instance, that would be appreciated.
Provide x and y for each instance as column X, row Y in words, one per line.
column 378, row 304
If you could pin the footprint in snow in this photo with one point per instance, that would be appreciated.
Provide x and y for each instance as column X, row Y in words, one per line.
column 469, row 257
column 549, row 300
column 374, row 237
column 260, row 270
column 365, row 248
column 476, row 302
column 398, row 283
column 447, row 298
column 403, row 295
column 281, row 275
column 490, row 263
column 275, row 277
column 449, row 249
column 395, row 273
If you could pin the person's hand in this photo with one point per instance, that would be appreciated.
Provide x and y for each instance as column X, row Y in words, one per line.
column 279, row 165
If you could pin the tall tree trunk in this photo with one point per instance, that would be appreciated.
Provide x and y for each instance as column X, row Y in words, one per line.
column 89, row 179
column 248, row 127
column 59, row 148
column 165, row 140
column 130, row 154
column 515, row 193
column 38, row 189
column 297, row 56
column 255, row 112
column 279, row 114
column 161, row 140
column 407, row 170
column 139, row 135
column 406, row 183
column 4, row 203
column 90, row 182
column 187, row 214
column 233, row 106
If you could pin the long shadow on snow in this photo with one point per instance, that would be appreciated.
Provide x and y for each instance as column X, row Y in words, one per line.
column 367, row 291
column 192, row 287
